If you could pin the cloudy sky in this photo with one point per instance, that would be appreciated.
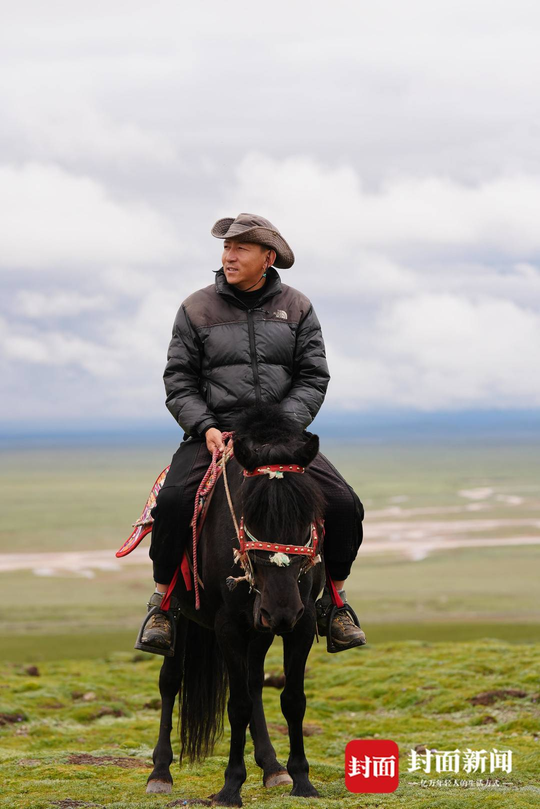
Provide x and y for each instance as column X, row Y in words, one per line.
column 395, row 145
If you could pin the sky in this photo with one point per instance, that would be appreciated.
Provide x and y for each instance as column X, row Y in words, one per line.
column 395, row 145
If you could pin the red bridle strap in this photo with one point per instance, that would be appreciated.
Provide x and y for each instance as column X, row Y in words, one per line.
column 278, row 547
column 274, row 470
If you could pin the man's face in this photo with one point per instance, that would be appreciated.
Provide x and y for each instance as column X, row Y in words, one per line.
column 244, row 263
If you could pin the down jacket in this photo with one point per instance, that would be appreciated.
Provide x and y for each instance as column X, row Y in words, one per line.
column 224, row 357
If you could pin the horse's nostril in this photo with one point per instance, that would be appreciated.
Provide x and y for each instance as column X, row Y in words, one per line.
column 265, row 617
column 299, row 615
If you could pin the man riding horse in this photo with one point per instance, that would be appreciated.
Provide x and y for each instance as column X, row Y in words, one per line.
column 247, row 339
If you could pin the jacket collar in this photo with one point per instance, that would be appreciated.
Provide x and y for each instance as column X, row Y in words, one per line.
column 272, row 287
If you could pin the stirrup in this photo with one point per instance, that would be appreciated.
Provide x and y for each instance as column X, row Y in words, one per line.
column 330, row 645
column 157, row 650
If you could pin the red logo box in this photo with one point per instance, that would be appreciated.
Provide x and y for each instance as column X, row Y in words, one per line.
column 371, row 765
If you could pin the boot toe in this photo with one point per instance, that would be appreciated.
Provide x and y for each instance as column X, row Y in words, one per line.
column 158, row 631
column 156, row 634
column 345, row 633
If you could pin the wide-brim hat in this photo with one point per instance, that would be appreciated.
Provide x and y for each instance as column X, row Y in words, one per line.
column 252, row 228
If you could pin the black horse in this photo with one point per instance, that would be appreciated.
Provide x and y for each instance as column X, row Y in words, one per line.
column 223, row 645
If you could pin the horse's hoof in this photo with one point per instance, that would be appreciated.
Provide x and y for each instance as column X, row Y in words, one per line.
column 156, row 787
column 225, row 800
column 278, row 779
column 305, row 792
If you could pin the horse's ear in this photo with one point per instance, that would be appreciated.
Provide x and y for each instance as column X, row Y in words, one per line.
column 308, row 451
column 245, row 455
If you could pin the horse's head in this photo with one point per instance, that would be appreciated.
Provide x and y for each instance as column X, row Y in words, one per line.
column 282, row 509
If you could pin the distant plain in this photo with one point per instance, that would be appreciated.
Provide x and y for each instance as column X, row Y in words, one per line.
column 408, row 581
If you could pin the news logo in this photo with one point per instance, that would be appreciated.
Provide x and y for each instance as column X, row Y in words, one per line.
column 371, row 765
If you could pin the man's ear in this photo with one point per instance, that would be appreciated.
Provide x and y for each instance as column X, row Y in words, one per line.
column 270, row 258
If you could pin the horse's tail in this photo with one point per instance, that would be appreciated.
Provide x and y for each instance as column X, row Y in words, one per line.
column 203, row 696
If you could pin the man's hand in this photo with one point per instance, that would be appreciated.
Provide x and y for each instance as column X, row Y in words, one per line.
column 214, row 440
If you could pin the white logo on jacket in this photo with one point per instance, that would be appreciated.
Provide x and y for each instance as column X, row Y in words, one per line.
column 281, row 314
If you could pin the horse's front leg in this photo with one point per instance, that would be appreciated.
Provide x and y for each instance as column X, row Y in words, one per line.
column 274, row 773
column 170, row 680
column 293, row 701
column 233, row 642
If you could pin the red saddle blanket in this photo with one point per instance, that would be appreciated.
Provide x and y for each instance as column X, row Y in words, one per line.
column 143, row 526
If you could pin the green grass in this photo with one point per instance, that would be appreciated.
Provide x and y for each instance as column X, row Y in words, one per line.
column 415, row 693
column 38, row 647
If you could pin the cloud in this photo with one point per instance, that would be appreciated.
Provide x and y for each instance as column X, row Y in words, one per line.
column 56, row 219
column 124, row 347
column 58, row 304
column 68, row 133
column 432, row 352
column 427, row 333
column 417, row 88
column 62, row 349
column 394, row 145
column 330, row 212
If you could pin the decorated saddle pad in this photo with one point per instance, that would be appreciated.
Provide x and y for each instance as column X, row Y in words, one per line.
column 143, row 526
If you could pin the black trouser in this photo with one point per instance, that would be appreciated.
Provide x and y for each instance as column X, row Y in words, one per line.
column 174, row 510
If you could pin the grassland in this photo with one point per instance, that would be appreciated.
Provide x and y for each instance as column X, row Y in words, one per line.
column 87, row 728
column 443, row 628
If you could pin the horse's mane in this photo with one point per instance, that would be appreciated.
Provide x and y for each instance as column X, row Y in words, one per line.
column 266, row 435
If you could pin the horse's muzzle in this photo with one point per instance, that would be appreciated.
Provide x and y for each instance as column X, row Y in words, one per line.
column 281, row 622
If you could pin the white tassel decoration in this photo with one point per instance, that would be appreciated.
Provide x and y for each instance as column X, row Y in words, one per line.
column 280, row 559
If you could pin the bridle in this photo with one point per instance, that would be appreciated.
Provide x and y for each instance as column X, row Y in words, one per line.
column 254, row 544
column 281, row 551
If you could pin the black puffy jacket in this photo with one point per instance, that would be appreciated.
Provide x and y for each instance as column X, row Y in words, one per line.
column 224, row 357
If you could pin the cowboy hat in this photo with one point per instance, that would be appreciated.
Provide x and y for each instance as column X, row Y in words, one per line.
column 249, row 227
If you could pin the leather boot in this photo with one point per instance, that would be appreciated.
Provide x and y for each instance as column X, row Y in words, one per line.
column 340, row 625
column 157, row 634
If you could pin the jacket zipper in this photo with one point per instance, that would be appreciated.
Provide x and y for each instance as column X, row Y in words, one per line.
column 253, row 352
